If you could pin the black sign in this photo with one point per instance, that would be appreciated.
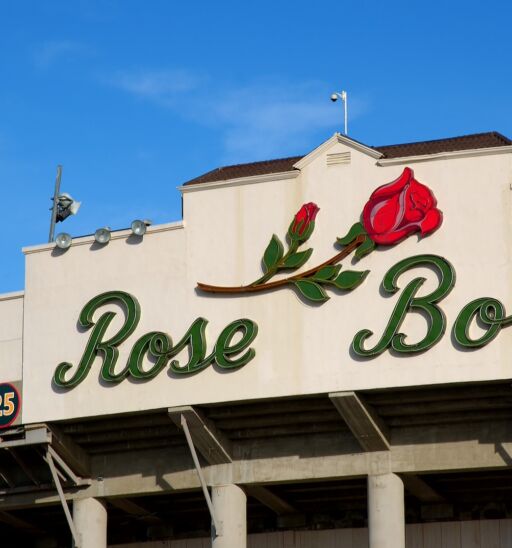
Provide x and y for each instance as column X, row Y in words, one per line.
column 10, row 403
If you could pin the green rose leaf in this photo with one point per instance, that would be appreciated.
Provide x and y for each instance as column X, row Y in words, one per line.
column 311, row 291
column 353, row 233
column 327, row 273
column 296, row 260
column 366, row 247
column 350, row 279
column 274, row 253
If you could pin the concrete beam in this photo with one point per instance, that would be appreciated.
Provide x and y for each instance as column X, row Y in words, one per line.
column 369, row 430
column 447, row 418
column 35, row 434
column 119, row 423
column 440, row 393
column 437, row 512
column 209, row 441
column 270, row 500
column 18, row 523
column 23, row 465
column 134, row 509
column 71, row 453
column 420, row 489
column 468, row 447
column 7, row 479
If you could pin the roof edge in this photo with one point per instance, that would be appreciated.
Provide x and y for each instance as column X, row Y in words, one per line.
column 196, row 180
column 491, row 142
column 239, row 181
column 497, row 134
column 488, row 151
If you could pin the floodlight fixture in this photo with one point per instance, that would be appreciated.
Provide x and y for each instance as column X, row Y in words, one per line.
column 102, row 235
column 139, row 227
column 66, row 206
column 63, row 240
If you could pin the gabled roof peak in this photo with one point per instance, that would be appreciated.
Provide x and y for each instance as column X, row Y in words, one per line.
column 337, row 138
column 472, row 141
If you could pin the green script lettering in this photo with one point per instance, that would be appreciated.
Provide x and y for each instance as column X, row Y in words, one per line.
column 491, row 314
column 224, row 349
column 95, row 346
column 195, row 339
column 408, row 302
column 156, row 345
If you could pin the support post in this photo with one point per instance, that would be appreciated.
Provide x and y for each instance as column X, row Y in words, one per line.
column 215, row 525
column 53, row 219
column 386, row 514
column 90, row 518
column 230, row 507
column 62, row 498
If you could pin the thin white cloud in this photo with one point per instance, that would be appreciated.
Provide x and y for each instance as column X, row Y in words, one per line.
column 259, row 120
column 262, row 121
column 49, row 53
column 158, row 85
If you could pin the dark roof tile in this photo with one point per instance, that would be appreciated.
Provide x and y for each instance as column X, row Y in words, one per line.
column 452, row 144
column 246, row 170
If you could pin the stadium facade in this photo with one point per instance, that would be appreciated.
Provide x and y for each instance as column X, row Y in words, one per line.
column 323, row 340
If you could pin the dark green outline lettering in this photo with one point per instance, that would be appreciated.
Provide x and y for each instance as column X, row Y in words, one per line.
column 156, row 344
column 223, row 350
column 95, row 346
column 490, row 312
column 407, row 303
column 195, row 338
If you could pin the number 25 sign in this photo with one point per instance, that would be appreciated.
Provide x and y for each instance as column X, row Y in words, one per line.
column 10, row 403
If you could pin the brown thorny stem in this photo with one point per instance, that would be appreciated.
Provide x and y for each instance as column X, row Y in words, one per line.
column 271, row 285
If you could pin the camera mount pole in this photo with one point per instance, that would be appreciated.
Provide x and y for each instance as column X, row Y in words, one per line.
column 55, row 204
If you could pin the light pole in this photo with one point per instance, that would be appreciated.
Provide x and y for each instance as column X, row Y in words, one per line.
column 343, row 96
column 63, row 205
column 55, row 203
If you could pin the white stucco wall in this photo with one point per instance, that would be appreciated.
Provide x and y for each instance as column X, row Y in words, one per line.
column 11, row 336
column 300, row 349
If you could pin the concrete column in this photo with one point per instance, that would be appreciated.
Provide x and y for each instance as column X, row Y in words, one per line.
column 230, row 508
column 90, row 519
column 386, row 514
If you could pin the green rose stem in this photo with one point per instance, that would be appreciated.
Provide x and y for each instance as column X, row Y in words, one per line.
column 345, row 252
column 293, row 248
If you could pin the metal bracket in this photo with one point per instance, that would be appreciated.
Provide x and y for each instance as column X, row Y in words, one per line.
column 206, row 493
column 39, row 437
column 56, row 479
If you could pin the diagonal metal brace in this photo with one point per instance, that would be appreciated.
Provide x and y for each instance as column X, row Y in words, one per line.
column 206, row 493
column 56, row 479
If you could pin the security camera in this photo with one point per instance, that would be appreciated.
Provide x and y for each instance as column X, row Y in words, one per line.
column 334, row 97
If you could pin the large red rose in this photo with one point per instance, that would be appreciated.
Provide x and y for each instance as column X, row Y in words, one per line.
column 400, row 208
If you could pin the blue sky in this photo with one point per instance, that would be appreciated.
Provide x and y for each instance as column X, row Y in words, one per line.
column 133, row 98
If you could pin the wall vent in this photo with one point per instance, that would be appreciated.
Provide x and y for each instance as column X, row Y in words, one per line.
column 338, row 158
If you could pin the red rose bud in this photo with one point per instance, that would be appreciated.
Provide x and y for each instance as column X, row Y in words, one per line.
column 304, row 222
column 400, row 208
